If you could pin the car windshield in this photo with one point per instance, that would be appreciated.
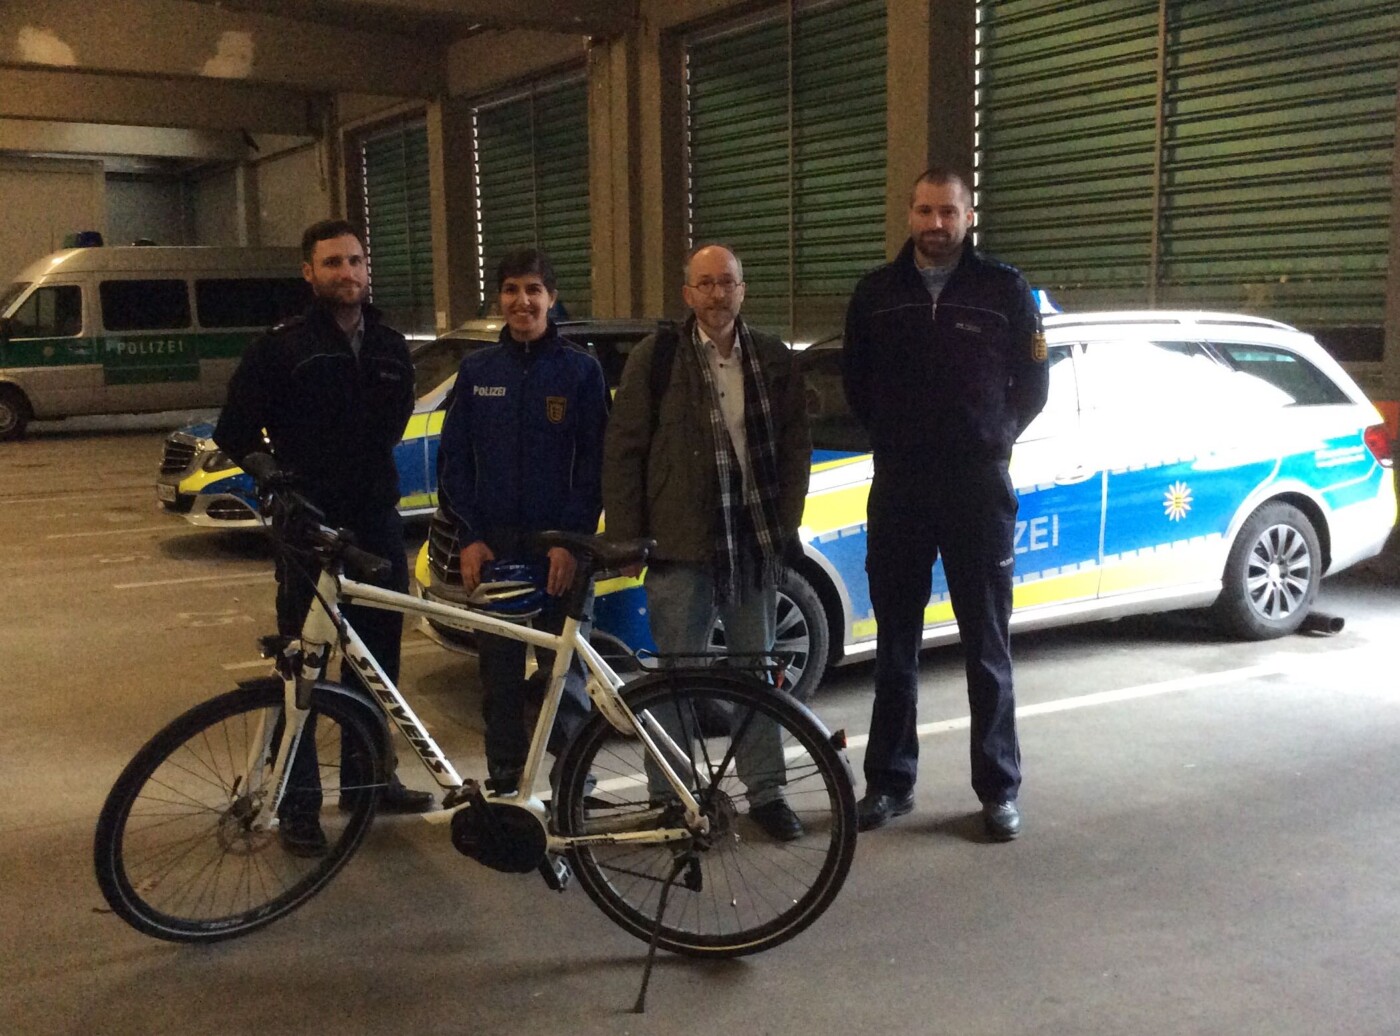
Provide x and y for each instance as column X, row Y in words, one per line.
column 438, row 360
column 14, row 291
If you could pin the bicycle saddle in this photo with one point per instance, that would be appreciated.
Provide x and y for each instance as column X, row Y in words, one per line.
column 604, row 553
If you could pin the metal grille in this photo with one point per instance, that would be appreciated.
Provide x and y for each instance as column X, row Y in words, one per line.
column 177, row 457
column 230, row 509
column 444, row 555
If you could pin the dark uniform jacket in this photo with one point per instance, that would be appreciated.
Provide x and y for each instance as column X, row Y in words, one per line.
column 956, row 380
column 660, row 479
column 522, row 445
column 333, row 420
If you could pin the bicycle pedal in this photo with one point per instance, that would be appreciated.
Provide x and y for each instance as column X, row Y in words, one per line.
column 556, row 872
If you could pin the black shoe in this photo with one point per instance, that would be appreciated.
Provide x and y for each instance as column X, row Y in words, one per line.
column 503, row 780
column 397, row 798
column 778, row 821
column 1002, row 820
column 878, row 808
column 301, row 835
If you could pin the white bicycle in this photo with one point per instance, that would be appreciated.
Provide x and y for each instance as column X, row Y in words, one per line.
column 649, row 811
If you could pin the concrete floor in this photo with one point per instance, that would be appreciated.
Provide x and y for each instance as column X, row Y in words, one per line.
column 1211, row 837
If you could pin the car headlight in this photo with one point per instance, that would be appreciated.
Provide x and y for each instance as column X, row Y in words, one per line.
column 217, row 461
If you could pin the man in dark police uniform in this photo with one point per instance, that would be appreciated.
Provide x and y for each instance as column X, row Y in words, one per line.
column 944, row 365
column 333, row 389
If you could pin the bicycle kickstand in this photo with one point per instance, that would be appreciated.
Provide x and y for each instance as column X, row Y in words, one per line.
column 682, row 862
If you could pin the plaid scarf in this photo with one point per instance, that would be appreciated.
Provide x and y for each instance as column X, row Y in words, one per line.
column 748, row 504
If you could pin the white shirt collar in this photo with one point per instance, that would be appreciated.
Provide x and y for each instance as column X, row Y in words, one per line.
column 734, row 354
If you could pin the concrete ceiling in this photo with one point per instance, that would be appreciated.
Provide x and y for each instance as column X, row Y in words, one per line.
column 244, row 67
column 431, row 20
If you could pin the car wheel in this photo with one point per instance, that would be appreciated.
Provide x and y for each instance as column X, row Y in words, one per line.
column 15, row 412
column 802, row 635
column 1272, row 575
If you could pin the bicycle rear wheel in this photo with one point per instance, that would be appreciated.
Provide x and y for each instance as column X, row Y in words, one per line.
column 738, row 890
column 175, row 852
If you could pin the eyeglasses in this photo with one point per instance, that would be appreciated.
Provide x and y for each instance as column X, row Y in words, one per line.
column 707, row 286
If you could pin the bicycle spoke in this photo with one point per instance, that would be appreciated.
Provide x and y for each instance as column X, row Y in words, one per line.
column 183, row 849
column 739, row 889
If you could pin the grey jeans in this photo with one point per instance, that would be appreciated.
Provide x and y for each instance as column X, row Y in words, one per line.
column 680, row 600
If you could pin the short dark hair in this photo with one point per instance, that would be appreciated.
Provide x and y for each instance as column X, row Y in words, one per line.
column 942, row 176
column 524, row 261
column 328, row 230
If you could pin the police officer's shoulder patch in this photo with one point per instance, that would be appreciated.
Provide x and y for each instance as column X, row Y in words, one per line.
column 1039, row 352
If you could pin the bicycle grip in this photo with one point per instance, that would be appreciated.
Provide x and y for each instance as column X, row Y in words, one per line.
column 261, row 466
column 366, row 566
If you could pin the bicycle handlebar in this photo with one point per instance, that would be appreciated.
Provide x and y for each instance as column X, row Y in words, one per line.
column 307, row 521
column 366, row 566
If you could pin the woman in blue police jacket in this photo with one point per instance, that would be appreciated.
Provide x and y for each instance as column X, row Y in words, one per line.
column 521, row 452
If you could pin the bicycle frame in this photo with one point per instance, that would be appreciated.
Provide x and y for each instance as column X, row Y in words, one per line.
column 323, row 628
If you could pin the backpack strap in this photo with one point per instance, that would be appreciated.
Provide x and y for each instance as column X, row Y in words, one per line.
column 663, row 359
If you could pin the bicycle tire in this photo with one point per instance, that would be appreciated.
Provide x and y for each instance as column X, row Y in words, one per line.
column 743, row 892
column 175, row 857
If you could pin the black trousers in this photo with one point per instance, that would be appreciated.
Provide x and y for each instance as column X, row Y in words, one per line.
column 379, row 532
column 507, row 693
column 966, row 514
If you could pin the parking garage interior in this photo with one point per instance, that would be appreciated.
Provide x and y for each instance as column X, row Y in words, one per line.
column 1211, row 827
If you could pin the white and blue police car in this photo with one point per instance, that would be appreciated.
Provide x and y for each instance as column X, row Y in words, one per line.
column 1183, row 460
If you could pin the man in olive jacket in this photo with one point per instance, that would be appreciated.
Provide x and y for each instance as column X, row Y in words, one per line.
column 708, row 453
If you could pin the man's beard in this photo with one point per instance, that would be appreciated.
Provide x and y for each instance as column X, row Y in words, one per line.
column 937, row 245
column 333, row 295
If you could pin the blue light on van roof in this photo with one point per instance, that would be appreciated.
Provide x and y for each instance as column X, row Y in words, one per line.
column 1044, row 302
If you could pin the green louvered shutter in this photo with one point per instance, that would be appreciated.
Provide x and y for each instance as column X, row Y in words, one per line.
column 1066, row 138
column 738, row 144
column 786, row 151
column 1280, row 124
column 532, row 177
column 398, row 224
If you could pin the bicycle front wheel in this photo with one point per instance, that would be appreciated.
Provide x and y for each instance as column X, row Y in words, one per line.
column 737, row 889
column 177, row 855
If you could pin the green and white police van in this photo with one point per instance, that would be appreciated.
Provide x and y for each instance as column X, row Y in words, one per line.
column 135, row 329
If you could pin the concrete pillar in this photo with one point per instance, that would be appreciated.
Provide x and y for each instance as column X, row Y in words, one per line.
column 929, row 83
column 636, row 171
column 1390, row 358
column 451, row 159
column 245, row 188
column 661, row 170
column 614, row 163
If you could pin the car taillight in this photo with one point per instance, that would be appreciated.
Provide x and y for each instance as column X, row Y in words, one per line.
column 1381, row 445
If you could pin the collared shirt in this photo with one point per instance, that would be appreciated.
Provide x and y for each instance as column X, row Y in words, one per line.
column 729, row 383
column 935, row 277
column 357, row 336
